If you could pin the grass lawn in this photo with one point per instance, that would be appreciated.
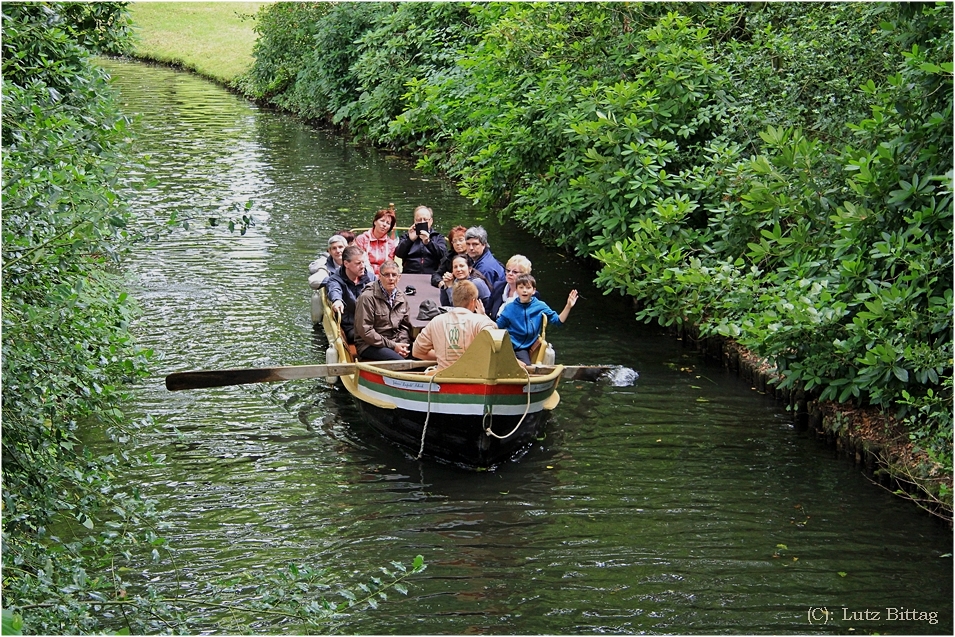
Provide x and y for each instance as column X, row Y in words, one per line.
column 214, row 39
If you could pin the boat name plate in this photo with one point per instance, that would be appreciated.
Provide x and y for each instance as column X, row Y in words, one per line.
column 412, row 385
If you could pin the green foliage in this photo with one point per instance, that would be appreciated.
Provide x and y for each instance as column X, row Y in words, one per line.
column 98, row 27
column 12, row 623
column 835, row 264
column 417, row 40
column 499, row 118
column 298, row 597
column 800, row 64
column 325, row 84
column 349, row 62
column 329, row 82
column 286, row 37
column 627, row 146
column 930, row 423
column 66, row 347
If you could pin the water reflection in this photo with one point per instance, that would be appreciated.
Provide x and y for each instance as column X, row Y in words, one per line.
column 656, row 507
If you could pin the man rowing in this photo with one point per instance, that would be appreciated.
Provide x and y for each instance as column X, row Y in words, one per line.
column 345, row 285
column 448, row 335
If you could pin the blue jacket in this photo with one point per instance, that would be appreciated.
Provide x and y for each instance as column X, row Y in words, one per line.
column 493, row 307
column 523, row 321
column 490, row 267
column 340, row 288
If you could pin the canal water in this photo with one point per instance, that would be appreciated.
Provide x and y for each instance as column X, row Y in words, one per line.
column 683, row 504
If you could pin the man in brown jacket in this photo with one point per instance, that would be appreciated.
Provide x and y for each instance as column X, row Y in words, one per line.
column 382, row 326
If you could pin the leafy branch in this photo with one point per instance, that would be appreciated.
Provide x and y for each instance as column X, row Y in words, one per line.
column 296, row 593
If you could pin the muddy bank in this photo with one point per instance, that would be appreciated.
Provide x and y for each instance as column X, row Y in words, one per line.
column 871, row 438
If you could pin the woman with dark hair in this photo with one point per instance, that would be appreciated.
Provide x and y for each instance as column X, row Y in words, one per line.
column 376, row 242
column 456, row 245
column 462, row 269
column 422, row 247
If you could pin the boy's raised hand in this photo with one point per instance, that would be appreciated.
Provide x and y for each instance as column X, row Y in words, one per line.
column 571, row 301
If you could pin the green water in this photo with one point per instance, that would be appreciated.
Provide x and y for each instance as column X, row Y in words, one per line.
column 661, row 507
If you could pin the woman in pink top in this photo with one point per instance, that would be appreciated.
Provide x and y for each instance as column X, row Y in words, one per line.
column 376, row 242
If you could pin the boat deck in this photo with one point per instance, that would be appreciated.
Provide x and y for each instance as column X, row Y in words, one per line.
column 423, row 291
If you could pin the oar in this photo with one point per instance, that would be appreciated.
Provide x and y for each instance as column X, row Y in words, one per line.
column 573, row 372
column 223, row 377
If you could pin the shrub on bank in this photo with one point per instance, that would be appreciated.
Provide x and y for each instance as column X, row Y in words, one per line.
column 779, row 173
column 67, row 350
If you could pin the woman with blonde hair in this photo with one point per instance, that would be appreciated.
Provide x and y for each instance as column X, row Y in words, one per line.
column 505, row 290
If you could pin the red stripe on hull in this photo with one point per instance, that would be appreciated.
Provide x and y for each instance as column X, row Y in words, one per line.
column 475, row 389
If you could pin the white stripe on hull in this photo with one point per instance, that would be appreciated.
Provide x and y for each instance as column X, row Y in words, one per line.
column 461, row 409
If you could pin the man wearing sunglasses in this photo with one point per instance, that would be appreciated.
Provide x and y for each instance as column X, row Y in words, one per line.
column 382, row 325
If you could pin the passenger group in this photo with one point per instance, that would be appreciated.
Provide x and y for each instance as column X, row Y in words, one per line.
column 361, row 279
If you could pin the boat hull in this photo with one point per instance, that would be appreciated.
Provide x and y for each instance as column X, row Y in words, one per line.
column 472, row 425
column 452, row 439
column 477, row 413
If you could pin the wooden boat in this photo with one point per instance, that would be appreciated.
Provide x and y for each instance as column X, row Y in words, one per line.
column 477, row 413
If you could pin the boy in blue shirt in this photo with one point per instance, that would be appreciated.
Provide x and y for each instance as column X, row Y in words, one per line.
column 522, row 317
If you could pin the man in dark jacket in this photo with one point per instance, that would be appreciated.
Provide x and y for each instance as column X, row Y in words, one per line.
column 382, row 325
column 420, row 249
column 345, row 285
column 480, row 251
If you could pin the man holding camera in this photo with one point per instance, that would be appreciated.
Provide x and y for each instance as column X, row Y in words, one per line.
column 421, row 249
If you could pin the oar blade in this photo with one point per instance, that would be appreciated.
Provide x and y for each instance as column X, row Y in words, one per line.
column 204, row 379
column 616, row 374
column 587, row 373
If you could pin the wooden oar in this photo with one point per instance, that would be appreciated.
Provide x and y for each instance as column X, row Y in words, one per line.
column 573, row 372
column 202, row 379
column 224, row 377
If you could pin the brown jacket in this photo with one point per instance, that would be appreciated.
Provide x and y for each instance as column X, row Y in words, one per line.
column 377, row 324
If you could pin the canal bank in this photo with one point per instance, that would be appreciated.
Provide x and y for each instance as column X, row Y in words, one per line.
column 871, row 438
